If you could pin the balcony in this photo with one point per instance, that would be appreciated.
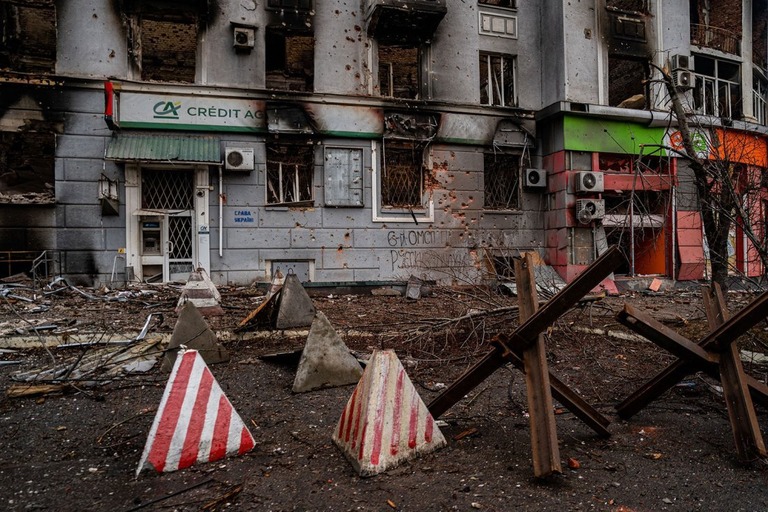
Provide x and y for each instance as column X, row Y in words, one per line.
column 716, row 39
column 410, row 22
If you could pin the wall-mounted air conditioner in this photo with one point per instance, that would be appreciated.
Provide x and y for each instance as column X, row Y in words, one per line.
column 238, row 159
column 243, row 38
column 588, row 210
column 682, row 62
column 682, row 78
column 588, row 181
column 536, row 179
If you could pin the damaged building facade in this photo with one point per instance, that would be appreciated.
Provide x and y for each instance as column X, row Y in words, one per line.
column 361, row 142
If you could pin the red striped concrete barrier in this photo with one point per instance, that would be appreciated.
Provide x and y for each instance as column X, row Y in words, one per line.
column 195, row 421
column 385, row 422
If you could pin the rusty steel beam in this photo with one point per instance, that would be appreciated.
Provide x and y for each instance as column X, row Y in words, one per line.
column 693, row 358
column 544, row 447
column 741, row 412
column 526, row 333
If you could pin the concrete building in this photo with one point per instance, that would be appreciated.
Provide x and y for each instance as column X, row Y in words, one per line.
column 360, row 142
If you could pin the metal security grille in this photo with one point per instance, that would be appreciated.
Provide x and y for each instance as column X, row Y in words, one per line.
column 502, row 181
column 180, row 236
column 166, row 190
column 402, row 177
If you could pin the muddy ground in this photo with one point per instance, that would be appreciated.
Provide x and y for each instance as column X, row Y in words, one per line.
column 78, row 450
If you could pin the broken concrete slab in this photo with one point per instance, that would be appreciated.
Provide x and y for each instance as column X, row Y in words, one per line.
column 326, row 361
column 192, row 331
column 296, row 308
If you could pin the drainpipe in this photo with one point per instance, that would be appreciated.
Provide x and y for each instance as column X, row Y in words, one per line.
column 221, row 213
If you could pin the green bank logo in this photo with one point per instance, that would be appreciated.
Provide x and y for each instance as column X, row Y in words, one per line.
column 166, row 110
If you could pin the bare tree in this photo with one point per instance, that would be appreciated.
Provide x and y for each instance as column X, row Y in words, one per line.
column 726, row 186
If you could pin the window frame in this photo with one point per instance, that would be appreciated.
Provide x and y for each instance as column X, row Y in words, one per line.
column 279, row 192
column 382, row 213
column 516, row 183
column 490, row 99
column 715, row 85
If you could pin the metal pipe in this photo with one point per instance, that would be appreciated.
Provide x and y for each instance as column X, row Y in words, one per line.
column 221, row 212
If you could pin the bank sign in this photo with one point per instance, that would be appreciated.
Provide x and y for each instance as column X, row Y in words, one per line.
column 181, row 112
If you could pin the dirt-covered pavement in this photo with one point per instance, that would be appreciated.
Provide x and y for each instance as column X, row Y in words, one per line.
column 78, row 448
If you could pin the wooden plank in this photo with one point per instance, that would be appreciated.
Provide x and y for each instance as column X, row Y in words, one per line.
column 526, row 334
column 544, row 447
column 741, row 411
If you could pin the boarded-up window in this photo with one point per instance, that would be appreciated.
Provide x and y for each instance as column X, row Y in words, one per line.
column 28, row 35
column 343, row 177
column 27, row 167
column 501, row 179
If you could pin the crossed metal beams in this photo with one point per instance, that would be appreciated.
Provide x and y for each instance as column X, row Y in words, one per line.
column 524, row 348
column 717, row 355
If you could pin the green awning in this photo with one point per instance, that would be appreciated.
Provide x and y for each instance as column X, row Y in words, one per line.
column 193, row 149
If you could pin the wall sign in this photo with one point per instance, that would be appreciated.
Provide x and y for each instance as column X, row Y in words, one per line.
column 185, row 112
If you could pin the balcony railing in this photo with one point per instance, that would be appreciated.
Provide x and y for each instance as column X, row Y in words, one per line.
column 716, row 38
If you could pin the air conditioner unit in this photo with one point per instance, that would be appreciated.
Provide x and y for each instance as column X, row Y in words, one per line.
column 588, row 210
column 536, row 178
column 682, row 78
column 588, row 181
column 238, row 159
column 243, row 38
column 682, row 62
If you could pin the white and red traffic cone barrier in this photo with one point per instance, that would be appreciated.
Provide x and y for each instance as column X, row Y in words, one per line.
column 195, row 421
column 385, row 422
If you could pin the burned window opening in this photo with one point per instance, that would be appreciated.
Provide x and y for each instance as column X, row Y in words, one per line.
column 509, row 4
column 627, row 83
column 290, row 173
column 28, row 36
column 163, row 37
column 629, row 6
column 290, row 60
column 402, row 177
column 716, row 24
column 290, row 5
column 497, row 80
column 501, row 181
column 399, row 71
column 27, row 161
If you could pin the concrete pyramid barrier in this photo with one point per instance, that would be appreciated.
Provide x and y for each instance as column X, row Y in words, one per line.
column 385, row 422
column 325, row 361
column 296, row 308
column 192, row 331
column 201, row 292
column 195, row 421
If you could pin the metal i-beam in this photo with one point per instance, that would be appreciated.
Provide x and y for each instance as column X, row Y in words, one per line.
column 741, row 411
column 745, row 319
column 526, row 333
column 544, row 448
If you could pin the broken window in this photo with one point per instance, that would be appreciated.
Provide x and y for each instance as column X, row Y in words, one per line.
column 760, row 98
column 511, row 4
column 497, row 80
column 717, row 90
column 290, row 171
column 28, row 35
column 163, row 40
column 27, row 167
column 402, row 177
column 501, row 178
column 399, row 71
column 716, row 24
column 290, row 60
column 627, row 79
column 298, row 5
